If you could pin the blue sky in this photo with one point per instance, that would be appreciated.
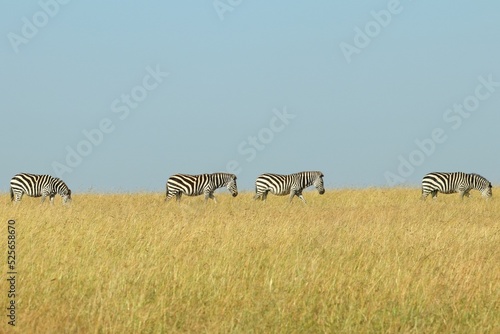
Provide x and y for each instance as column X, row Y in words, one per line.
column 117, row 96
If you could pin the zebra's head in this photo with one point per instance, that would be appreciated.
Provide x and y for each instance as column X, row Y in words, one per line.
column 232, row 186
column 487, row 192
column 482, row 184
column 62, row 189
column 66, row 195
column 318, row 183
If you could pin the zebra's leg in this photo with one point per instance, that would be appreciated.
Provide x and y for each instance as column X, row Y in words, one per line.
column 17, row 197
column 173, row 193
column 464, row 193
column 46, row 191
column 262, row 196
column 434, row 194
column 261, row 193
column 178, row 196
column 302, row 197
column 210, row 194
column 297, row 193
column 51, row 199
column 424, row 194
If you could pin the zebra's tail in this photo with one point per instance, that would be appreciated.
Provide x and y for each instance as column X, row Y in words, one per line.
column 166, row 192
column 11, row 194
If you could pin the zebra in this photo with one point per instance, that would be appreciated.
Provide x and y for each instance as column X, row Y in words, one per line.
column 194, row 185
column 35, row 185
column 448, row 183
column 292, row 184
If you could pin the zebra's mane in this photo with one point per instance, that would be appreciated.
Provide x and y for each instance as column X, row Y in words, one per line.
column 312, row 173
column 225, row 175
column 481, row 179
column 477, row 176
column 60, row 183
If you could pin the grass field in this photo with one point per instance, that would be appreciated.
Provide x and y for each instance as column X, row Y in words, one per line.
column 351, row 261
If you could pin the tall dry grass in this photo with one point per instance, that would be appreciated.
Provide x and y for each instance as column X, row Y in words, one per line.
column 351, row 261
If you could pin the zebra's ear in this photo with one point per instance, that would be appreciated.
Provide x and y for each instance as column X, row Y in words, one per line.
column 490, row 185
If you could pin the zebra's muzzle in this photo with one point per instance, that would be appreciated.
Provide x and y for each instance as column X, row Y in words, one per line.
column 321, row 192
column 235, row 194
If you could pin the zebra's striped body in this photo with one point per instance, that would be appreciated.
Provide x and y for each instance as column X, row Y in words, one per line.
column 291, row 184
column 449, row 183
column 194, row 185
column 38, row 186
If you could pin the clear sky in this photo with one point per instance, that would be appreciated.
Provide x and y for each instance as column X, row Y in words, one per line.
column 118, row 95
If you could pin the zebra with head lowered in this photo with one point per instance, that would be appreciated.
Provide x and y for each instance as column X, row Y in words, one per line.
column 194, row 185
column 449, row 183
column 38, row 186
column 292, row 184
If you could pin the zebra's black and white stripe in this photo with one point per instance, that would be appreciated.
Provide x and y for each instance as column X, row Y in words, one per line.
column 292, row 184
column 194, row 185
column 448, row 183
column 38, row 185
